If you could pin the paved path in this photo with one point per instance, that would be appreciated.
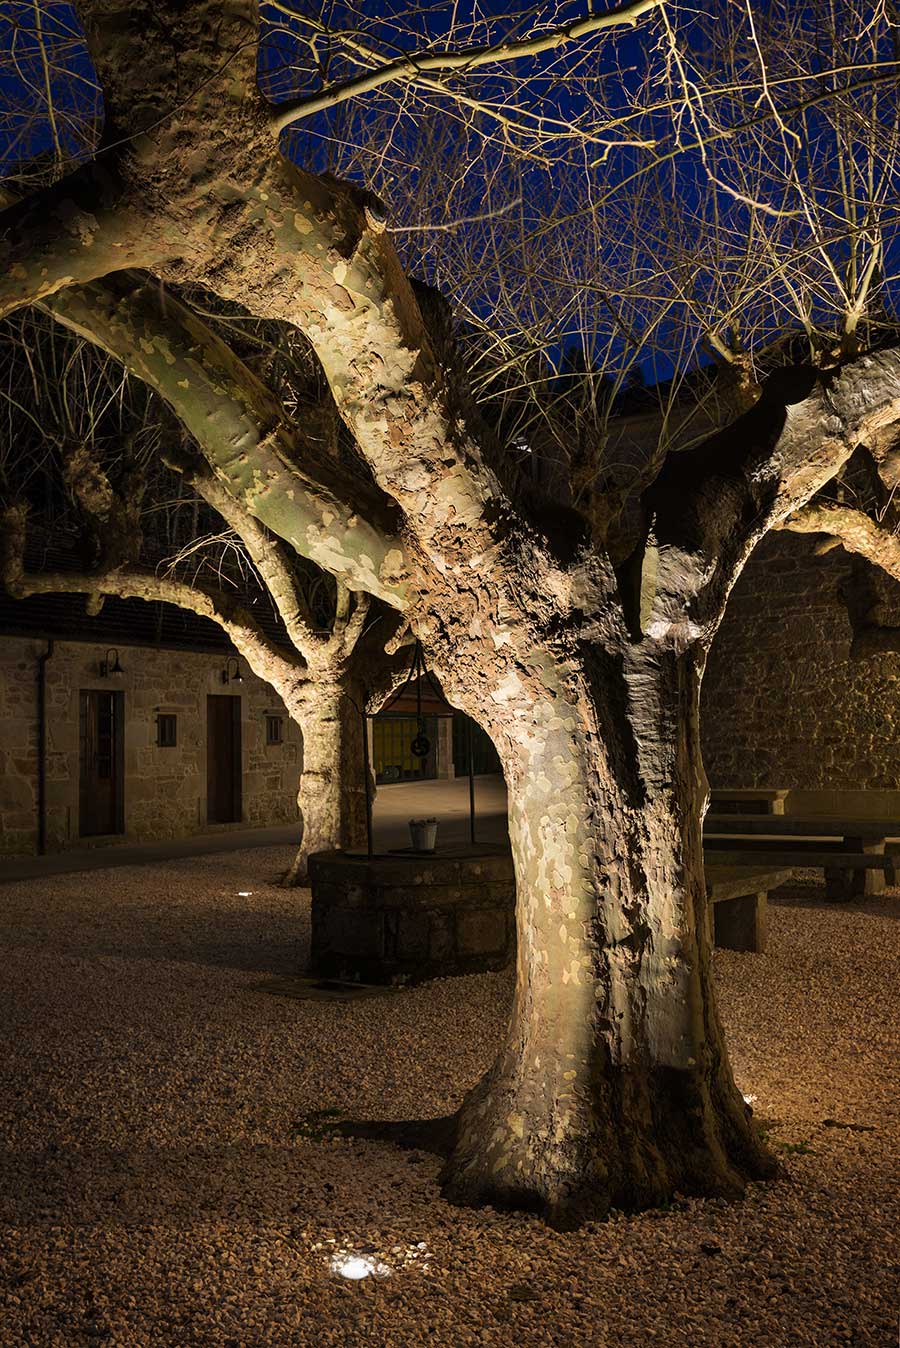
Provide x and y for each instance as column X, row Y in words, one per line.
column 446, row 801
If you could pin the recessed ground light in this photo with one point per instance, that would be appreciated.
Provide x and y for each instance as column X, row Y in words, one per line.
column 358, row 1266
column 368, row 1263
column 245, row 893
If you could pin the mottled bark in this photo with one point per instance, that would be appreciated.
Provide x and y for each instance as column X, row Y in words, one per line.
column 263, row 460
column 853, row 529
column 613, row 1086
column 222, row 209
column 74, row 232
column 331, row 793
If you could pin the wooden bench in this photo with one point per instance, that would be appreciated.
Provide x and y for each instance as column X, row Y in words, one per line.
column 892, row 863
column 747, row 800
column 737, row 899
column 852, row 852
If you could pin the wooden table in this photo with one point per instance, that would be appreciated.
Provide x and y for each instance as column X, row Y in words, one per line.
column 747, row 800
column 851, row 851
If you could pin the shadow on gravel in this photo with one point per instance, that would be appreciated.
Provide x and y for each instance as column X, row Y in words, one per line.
column 87, row 1186
column 217, row 937
column 431, row 1135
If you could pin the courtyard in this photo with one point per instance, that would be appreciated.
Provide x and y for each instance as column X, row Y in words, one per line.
column 496, row 406
column 171, row 1175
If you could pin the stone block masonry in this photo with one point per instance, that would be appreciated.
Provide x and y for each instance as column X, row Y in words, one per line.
column 404, row 917
column 784, row 703
column 165, row 789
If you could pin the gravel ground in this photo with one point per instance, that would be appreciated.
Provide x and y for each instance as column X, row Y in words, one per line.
column 165, row 1184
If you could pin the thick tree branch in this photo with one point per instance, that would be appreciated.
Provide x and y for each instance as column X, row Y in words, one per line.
column 263, row 549
column 72, row 233
column 298, row 492
column 858, row 533
column 291, row 246
column 854, row 529
column 408, row 68
column 339, row 280
column 711, row 505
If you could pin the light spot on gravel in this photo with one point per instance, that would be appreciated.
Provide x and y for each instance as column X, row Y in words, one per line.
column 166, row 1185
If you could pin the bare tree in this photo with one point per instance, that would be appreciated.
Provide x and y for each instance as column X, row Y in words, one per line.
column 576, row 638
column 91, row 456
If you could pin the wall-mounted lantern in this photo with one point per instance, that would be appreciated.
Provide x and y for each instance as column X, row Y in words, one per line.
column 229, row 675
column 111, row 669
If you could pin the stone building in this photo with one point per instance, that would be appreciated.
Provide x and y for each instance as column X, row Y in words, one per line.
column 138, row 724
column 141, row 724
column 785, row 703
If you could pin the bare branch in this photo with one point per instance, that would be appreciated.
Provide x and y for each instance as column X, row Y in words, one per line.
column 285, row 674
column 854, row 529
column 263, row 549
column 409, row 68
column 348, row 624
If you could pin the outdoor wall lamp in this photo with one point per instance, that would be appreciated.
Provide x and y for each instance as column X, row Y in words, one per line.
column 110, row 669
column 227, row 676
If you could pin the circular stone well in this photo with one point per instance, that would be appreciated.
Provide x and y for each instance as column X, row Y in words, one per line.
column 405, row 916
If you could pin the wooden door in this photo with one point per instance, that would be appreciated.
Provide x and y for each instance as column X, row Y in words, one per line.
column 223, row 759
column 101, row 776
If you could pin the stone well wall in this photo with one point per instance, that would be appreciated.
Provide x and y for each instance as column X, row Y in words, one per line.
column 783, row 703
column 164, row 788
column 403, row 916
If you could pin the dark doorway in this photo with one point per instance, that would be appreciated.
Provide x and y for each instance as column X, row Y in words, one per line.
column 101, row 806
column 223, row 759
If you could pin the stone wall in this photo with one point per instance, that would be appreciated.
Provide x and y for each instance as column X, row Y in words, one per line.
column 406, row 917
column 783, row 703
column 164, row 788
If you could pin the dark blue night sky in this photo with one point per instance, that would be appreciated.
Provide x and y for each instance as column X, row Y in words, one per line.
column 534, row 200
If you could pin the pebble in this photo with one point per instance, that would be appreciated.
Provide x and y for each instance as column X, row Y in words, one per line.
column 161, row 1187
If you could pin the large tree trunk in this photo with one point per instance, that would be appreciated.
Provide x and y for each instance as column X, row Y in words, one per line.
column 613, row 1086
column 331, row 796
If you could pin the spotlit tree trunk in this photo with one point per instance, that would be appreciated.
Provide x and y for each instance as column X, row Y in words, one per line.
column 613, row 1086
column 331, row 794
column 575, row 638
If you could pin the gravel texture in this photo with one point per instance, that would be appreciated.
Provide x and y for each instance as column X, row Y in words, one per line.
column 166, row 1180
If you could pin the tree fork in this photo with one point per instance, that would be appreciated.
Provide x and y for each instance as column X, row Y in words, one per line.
column 261, row 458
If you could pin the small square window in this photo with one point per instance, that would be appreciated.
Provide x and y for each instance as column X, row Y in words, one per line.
column 166, row 730
column 274, row 729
